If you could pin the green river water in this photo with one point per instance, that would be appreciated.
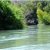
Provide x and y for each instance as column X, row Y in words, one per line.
column 31, row 38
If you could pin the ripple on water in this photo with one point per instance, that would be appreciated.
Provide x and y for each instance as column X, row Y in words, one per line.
column 30, row 47
column 13, row 38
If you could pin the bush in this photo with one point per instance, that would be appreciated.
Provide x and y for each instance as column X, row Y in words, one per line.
column 46, row 18
column 11, row 16
column 40, row 15
column 43, row 16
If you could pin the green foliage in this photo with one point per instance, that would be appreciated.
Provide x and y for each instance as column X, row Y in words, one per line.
column 27, row 6
column 40, row 14
column 39, row 5
column 46, row 18
column 43, row 13
column 47, row 8
column 11, row 16
column 43, row 16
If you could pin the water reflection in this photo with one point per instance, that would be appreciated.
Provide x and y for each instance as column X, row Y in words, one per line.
column 33, row 37
column 43, row 34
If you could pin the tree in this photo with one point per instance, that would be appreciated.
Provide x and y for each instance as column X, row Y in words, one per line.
column 11, row 16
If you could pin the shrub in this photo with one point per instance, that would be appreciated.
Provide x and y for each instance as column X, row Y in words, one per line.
column 43, row 16
column 40, row 15
column 46, row 18
column 11, row 16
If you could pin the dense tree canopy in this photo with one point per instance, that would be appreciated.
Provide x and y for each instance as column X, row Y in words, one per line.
column 11, row 16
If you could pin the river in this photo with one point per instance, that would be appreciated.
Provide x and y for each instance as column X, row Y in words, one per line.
column 35, row 37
